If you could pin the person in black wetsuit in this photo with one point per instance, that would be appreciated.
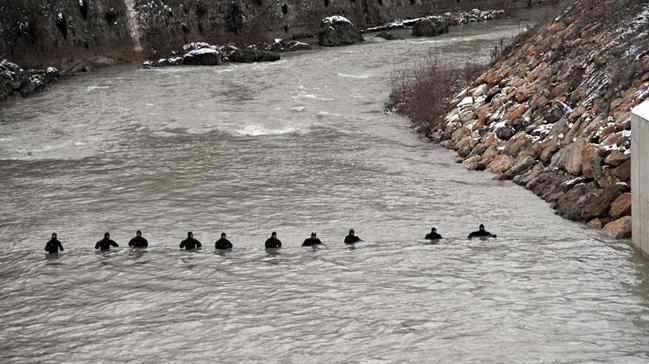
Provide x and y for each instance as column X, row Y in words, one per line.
column 433, row 235
column 273, row 242
column 190, row 242
column 138, row 241
column 351, row 238
column 313, row 240
column 481, row 233
column 105, row 243
column 54, row 245
column 223, row 243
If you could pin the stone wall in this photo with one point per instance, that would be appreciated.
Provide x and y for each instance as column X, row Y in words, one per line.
column 554, row 114
column 52, row 32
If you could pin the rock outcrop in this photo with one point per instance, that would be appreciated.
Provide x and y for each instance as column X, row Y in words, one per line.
column 553, row 113
column 430, row 26
column 15, row 81
column 338, row 31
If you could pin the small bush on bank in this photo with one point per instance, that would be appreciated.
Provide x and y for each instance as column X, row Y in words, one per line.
column 422, row 93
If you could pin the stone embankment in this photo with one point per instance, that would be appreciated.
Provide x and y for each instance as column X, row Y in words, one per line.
column 553, row 114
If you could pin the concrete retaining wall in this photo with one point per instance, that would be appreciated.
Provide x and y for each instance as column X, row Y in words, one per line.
column 640, row 176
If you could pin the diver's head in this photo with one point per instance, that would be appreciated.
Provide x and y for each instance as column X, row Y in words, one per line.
column 481, row 227
column 351, row 232
column 138, row 233
column 222, row 235
column 106, row 235
column 190, row 235
column 313, row 235
column 273, row 234
column 53, row 235
column 433, row 230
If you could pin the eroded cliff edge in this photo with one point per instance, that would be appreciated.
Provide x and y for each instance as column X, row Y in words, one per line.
column 554, row 113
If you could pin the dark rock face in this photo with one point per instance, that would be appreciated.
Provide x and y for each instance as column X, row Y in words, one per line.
column 387, row 35
column 253, row 55
column 337, row 31
column 15, row 81
column 431, row 26
column 521, row 167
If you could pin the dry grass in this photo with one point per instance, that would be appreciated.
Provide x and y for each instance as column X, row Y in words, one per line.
column 422, row 93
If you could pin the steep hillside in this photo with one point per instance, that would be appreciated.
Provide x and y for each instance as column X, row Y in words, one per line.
column 554, row 113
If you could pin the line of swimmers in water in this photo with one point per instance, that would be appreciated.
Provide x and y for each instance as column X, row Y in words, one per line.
column 53, row 246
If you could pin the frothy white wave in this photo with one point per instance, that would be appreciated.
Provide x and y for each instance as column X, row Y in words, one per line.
column 356, row 77
column 311, row 97
column 96, row 87
column 257, row 130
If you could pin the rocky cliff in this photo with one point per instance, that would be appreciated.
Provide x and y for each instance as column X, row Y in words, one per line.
column 53, row 32
column 554, row 113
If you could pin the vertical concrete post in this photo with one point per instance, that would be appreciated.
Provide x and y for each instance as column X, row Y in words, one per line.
column 640, row 176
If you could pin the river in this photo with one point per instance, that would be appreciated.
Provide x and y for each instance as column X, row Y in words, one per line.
column 295, row 146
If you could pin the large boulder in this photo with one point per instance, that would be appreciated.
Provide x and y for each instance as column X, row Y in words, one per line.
column 430, row 26
column 202, row 57
column 521, row 167
column 620, row 228
column 337, row 31
column 621, row 206
column 253, row 55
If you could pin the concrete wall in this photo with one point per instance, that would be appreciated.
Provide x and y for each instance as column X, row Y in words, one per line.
column 640, row 176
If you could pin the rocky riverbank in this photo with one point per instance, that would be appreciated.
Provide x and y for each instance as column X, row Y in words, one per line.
column 553, row 114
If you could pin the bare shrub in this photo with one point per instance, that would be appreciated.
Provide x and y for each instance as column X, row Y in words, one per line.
column 422, row 93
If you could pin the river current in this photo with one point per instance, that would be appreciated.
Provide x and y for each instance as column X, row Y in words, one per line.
column 295, row 146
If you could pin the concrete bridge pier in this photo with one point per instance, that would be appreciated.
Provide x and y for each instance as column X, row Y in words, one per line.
column 640, row 177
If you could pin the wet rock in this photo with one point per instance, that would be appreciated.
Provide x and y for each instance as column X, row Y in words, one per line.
column 591, row 161
column 597, row 203
column 337, row 31
column 623, row 172
column 253, row 55
column 505, row 133
column 574, row 157
column 7, row 65
column 202, row 57
column 501, row 164
column 295, row 46
column 32, row 84
column 52, row 74
column 568, row 205
column 430, row 26
column 616, row 158
column 439, row 136
column 621, row 206
column 280, row 45
column 620, row 228
column 387, row 35
column 596, row 223
column 521, row 167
